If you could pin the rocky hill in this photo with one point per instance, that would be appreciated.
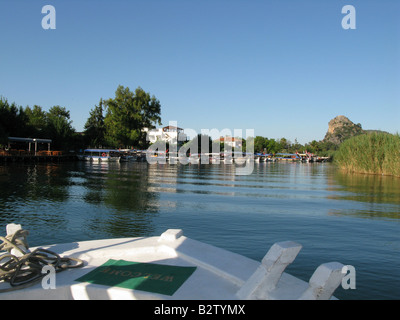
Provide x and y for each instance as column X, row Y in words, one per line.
column 341, row 128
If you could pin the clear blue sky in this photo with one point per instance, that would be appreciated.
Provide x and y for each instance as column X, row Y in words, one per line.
column 283, row 68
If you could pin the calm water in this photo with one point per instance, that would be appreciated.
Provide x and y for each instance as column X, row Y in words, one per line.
column 353, row 219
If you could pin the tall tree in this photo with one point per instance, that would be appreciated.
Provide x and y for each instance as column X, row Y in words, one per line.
column 59, row 127
column 13, row 121
column 272, row 146
column 37, row 120
column 95, row 127
column 259, row 144
column 128, row 113
column 284, row 145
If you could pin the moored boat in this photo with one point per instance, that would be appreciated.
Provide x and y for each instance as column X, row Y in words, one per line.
column 287, row 157
column 157, row 157
column 262, row 157
column 100, row 155
column 227, row 159
column 242, row 157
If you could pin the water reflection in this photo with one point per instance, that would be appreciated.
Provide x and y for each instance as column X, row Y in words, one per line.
column 380, row 194
column 126, row 204
column 245, row 214
column 370, row 188
column 47, row 182
column 33, row 195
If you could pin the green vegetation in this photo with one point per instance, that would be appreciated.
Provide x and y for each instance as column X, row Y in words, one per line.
column 118, row 123
column 95, row 129
column 373, row 153
column 265, row 145
column 127, row 114
column 36, row 123
column 114, row 123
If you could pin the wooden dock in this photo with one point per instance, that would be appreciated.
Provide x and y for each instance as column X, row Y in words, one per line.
column 29, row 156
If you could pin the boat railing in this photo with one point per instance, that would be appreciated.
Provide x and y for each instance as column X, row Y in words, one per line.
column 263, row 283
column 269, row 281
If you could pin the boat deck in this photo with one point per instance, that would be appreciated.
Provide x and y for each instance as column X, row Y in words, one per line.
column 219, row 274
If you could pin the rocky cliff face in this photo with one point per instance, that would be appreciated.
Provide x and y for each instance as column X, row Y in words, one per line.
column 341, row 128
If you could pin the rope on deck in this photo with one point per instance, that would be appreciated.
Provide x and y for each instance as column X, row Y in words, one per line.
column 26, row 270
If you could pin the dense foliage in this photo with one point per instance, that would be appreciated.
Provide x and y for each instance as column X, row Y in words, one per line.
column 272, row 146
column 374, row 153
column 34, row 122
column 114, row 123
column 127, row 115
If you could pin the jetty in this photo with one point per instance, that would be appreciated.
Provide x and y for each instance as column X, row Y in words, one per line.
column 28, row 150
column 41, row 156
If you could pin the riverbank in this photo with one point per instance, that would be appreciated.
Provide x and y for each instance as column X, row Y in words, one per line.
column 372, row 153
column 42, row 156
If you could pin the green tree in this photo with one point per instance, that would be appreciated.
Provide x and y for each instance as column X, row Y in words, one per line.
column 284, row 145
column 13, row 121
column 95, row 128
column 314, row 146
column 260, row 143
column 5, row 117
column 296, row 147
column 59, row 128
column 127, row 114
column 272, row 146
column 37, row 120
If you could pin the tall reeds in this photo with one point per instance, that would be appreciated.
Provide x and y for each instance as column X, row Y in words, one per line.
column 373, row 153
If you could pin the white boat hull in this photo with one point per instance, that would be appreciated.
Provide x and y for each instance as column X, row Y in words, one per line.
column 219, row 274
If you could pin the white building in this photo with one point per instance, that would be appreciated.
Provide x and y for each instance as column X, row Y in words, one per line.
column 170, row 134
column 234, row 143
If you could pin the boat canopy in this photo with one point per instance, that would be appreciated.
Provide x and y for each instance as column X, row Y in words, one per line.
column 288, row 154
column 101, row 150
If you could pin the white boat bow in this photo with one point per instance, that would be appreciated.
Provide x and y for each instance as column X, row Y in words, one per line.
column 218, row 275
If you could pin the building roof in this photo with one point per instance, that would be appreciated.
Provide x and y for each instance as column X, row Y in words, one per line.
column 171, row 127
column 230, row 139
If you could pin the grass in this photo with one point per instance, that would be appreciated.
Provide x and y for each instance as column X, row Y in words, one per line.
column 371, row 153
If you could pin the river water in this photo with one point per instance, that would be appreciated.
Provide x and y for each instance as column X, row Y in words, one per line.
column 349, row 218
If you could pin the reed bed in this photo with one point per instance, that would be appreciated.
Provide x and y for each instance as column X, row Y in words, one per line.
column 372, row 153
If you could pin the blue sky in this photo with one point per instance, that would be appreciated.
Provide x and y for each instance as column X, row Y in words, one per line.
column 283, row 68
